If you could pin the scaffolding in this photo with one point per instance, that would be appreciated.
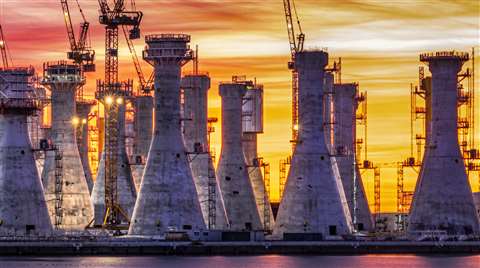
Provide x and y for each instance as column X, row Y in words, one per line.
column 212, row 178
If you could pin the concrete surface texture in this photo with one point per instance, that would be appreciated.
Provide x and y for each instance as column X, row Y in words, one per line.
column 143, row 125
column 232, row 170
column 167, row 200
column 443, row 198
column 63, row 81
column 127, row 194
column 23, row 209
column 83, row 110
column 195, row 135
column 345, row 107
column 314, row 200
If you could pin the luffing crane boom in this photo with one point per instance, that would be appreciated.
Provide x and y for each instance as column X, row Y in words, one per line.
column 79, row 52
column 3, row 50
column 296, row 45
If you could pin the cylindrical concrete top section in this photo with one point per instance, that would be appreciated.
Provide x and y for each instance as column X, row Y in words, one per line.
column 252, row 110
column 232, row 98
column 445, row 62
column 312, row 60
column 310, row 66
column 167, row 48
column 62, row 72
column 201, row 82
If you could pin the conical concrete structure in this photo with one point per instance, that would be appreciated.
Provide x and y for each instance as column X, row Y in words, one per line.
column 443, row 198
column 313, row 202
column 125, row 186
column 252, row 125
column 143, row 125
column 345, row 106
column 23, row 209
column 232, row 170
column 83, row 110
column 63, row 80
column 168, row 199
column 195, row 134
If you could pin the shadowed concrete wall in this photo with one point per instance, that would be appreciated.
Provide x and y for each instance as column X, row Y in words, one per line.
column 345, row 107
column 195, row 135
column 143, row 124
column 83, row 110
column 232, row 171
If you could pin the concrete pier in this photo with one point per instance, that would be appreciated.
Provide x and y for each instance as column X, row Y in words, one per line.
column 443, row 199
column 195, row 135
column 232, row 170
column 167, row 200
column 314, row 203
column 63, row 80
column 23, row 210
column 252, row 125
column 83, row 110
column 143, row 125
column 345, row 106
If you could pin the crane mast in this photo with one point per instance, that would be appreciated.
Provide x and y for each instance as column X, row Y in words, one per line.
column 112, row 94
column 296, row 45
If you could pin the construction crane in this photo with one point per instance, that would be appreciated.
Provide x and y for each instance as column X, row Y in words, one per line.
column 80, row 52
column 6, row 58
column 296, row 46
column 112, row 93
column 146, row 86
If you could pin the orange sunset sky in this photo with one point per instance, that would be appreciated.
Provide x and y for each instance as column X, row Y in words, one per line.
column 379, row 42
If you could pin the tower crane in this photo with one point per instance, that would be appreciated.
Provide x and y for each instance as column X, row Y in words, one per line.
column 6, row 59
column 112, row 93
column 296, row 46
column 80, row 52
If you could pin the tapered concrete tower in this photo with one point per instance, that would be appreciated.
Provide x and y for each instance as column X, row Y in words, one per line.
column 143, row 125
column 115, row 104
column 252, row 125
column 232, row 171
column 83, row 110
column 314, row 203
column 23, row 209
column 195, row 134
column 345, row 107
column 63, row 80
column 443, row 198
column 168, row 199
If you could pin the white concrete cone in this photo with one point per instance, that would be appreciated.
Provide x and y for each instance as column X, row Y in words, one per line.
column 195, row 135
column 232, row 171
column 443, row 198
column 314, row 202
column 23, row 209
column 168, row 200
